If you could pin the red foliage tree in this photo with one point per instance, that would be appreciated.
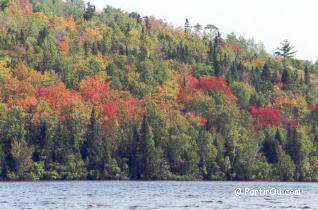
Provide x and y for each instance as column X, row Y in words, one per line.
column 63, row 46
column 267, row 117
column 311, row 107
column 291, row 123
column 216, row 84
column 110, row 109
column 211, row 84
column 188, row 83
column 26, row 9
column 28, row 102
column 59, row 98
column 270, row 117
column 95, row 90
column 132, row 107
column 236, row 48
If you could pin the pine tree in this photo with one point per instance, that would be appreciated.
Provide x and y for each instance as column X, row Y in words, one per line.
column 216, row 62
column 291, row 142
column 307, row 76
column 266, row 74
column 286, row 77
column 234, row 71
column 187, row 28
column 45, row 144
column 133, row 164
column 147, row 23
column 148, row 154
column 93, row 150
column 60, row 145
column 270, row 149
column 210, row 53
column 89, row 11
column 286, row 50
column 278, row 137
column 94, row 49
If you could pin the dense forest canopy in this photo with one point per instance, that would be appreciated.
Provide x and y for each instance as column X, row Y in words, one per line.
column 115, row 95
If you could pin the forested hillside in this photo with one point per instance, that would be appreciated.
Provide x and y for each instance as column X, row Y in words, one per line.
column 115, row 95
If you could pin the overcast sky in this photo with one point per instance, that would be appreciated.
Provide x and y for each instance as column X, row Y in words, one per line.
column 269, row 21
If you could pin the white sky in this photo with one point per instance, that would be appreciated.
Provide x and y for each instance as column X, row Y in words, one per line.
column 269, row 21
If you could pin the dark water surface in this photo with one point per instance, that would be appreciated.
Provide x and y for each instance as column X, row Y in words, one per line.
column 154, row 195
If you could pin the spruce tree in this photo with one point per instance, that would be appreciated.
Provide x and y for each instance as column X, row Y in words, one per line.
column 266, row 74
column 187, row 29
column 307, row 76
column 286, row 50
column 270, row 149
column 278, row 137
column 93, row 150
column 89, row 11
column 133, row 164
column 148, row 154
column 286, row 77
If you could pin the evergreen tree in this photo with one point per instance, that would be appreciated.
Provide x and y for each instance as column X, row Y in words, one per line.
column 187, row 28
column 147, row 23
column 286, row 77
column 216, row 62
column 266, row 74
column 133, row 164
column 210, row 52
column 286, row 50
column 278, row 137
column 234, row 71
column 270, row 149
column 94, row 49
column 307, row 76
column 92, row 149
column 60, row 145
column 148, row 155
column 291, row 142
column 89, row 11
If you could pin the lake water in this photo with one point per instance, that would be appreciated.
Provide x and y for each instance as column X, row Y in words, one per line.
column 155, row 195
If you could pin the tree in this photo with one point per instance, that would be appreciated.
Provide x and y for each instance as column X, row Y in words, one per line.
column 243, row 92
column 267, row 117
column 74, row 8
column 92, row 149
column 286, row 50
column 4, row 4
column 266, row 74
column 207, row 153
column 270, row 149
column 307, row 76
column 284, row 168
column 187, row 28
column 89, row 11
column 216, row 48
column 211, row 31
column 286, row 77
column 197, row 28
column 133, row 164
column 22, row 156
column 148, row 155
column 43, row 144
